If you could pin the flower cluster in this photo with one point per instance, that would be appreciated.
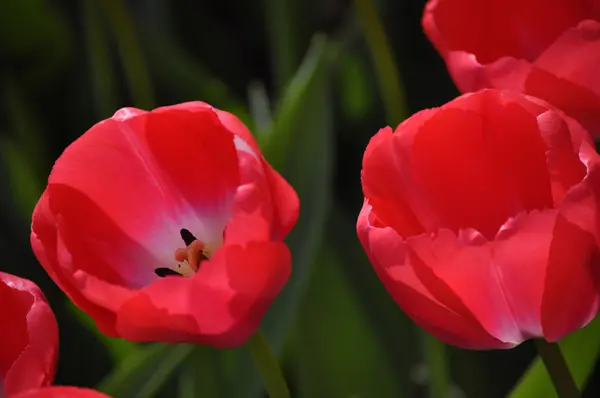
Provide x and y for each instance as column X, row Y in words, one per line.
column 162, row 226
column 481, row 217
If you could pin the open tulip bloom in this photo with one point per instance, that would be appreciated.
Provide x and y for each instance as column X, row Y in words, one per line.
column 167, row 226
column 548, row 49
column 29, row 344
column 481, row 219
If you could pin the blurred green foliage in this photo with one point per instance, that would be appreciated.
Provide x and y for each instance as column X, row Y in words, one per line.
column 315, row 83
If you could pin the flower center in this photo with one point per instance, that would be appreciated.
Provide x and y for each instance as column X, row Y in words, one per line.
column 187, row 259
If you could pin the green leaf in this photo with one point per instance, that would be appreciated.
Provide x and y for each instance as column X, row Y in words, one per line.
column 144, row 373
column 119, row 349
column 260, row 107
column 388, row 74
column 307, row 126
column 132, row 58
column 282, row 39
column 581, row 350
column 391, row 325
column 356, row 91
column 337, row 351
column 22, row 181
column 276, row 141
column 202, row 374
column 102, row 77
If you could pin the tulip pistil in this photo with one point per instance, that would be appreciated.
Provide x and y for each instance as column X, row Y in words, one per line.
column 188, row 259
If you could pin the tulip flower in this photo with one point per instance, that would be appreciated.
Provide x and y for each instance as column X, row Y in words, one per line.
column 481, row 219
column 28, row 336
column 167, row 226
column 29, row 344
column 550, row 51
column 62, row 392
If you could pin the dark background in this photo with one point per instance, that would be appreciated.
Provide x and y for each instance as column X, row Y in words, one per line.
column 64, row 65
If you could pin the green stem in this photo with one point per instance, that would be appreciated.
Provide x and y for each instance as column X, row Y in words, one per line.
column 437, row 363
column 268, row 366
column 388, row 76
column 392, row 93
column 557, row 368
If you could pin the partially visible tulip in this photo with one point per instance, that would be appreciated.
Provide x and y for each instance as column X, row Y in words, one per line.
column 29, row 344
column 62, row 392
column 167, row 226
column 481, row 218
column 547, row 50
column 28, row 336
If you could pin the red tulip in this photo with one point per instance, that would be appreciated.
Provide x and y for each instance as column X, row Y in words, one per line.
column 481, row 219
column 28, row 337
column 61, row 392
column 167, row 226
column 551, row 51
column 29, row 344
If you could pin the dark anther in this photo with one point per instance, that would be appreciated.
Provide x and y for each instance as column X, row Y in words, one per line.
column 187, row 236
column 162, row 272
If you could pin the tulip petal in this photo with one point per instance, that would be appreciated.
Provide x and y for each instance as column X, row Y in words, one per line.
column 574, row 265
column 28, row 337
column 409, row 178
column 488, row 180
column 49, row 246
column 472, row 26
column 571, row 86
column 284, row 196
column 581, row 43
column 411, row 284
column 529, row 55
column 222, row 305
column 386, row 182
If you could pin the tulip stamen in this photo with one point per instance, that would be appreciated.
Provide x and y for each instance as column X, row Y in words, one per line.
column 188, row 259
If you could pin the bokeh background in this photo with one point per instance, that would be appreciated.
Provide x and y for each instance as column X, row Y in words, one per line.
column 314, row 81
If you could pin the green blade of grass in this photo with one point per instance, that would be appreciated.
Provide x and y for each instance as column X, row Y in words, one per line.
column 202, row 375
column 104, row 92
column 280, row 23
column 132, row 58
column 144, row 373
column 388, row 76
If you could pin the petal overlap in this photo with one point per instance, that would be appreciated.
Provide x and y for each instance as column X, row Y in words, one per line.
column 115, row 211
column 504, row 190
